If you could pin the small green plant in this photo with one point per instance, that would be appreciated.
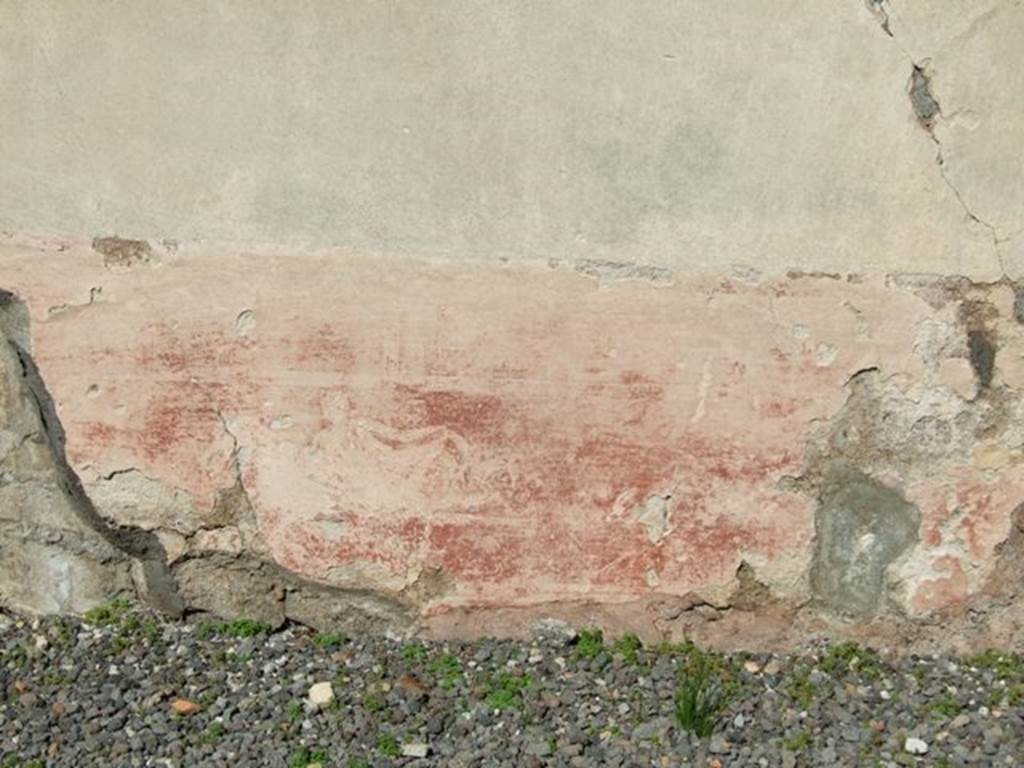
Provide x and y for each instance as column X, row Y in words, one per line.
column 945, row 708
column 55, row 678
column 330, row 641
column 213, row 732
column 13, row 761
column 108, row 614
column 305, row 756
column 1015, row 694
column 848, row 657
column 244, row 628
column 357, row 762
column 704, row 691
column 590, row 643
column 1006, row 666
column 119, row 615
column 801, row 688
column 17, row 657
column 372, row 702
column 388, row 745
column 447, row 670
column 65, row 633
column 296, row 711
column 152, row 631
column 505, row 691
column 798, row 742
column 628, row 646
column 414, row 652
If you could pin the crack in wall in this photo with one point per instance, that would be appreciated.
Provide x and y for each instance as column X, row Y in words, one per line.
column 928, row 112
column 878, row 9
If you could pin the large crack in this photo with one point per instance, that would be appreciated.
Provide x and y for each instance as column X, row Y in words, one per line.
column 928, row 112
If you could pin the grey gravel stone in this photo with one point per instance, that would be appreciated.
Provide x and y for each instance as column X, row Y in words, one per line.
column 484, row 704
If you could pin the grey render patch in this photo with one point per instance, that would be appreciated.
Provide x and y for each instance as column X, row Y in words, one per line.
column 861, row 527
column 1018, row 305
column 921, row 98
column 617, row 270
column 14, row 320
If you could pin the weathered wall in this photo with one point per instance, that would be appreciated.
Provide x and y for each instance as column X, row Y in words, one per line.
column 446, row 316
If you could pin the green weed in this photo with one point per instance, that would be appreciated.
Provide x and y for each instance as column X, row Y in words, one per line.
column 447, row 670
column 505, row 691
column 590, row 643
column 628, row 646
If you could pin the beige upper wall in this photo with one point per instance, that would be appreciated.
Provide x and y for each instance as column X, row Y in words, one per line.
column 690, row 134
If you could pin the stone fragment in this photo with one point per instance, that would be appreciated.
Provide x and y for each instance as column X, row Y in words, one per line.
column 184, row 707
column 321, row 694
column 959, row 721
column 415, row 749
column 915, row 746
column 719, row 745
column 554, row 632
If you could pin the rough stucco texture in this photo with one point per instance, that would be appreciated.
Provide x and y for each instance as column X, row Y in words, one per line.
column 451, row 316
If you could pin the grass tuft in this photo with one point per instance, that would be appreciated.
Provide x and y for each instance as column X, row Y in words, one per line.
column 707, row 685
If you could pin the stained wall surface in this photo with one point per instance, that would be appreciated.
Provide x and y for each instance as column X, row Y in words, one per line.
column 682, row 318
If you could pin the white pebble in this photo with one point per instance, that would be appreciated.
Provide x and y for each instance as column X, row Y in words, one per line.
column 321, row 694
column 415, row 749
column 915, row 746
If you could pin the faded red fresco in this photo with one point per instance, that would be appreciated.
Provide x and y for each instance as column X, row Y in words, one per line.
column 506, row 425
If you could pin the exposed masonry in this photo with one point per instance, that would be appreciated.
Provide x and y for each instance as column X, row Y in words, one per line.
column 861, row 528
column 143, row 546
column 655, row 514
column 909, row 431
column 197, row 579
column 925, row 106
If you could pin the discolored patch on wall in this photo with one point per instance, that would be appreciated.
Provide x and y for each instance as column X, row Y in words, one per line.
column 122, row 252
column 861, row 528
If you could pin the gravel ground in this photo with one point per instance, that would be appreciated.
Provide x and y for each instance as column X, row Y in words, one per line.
column 125, row 689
